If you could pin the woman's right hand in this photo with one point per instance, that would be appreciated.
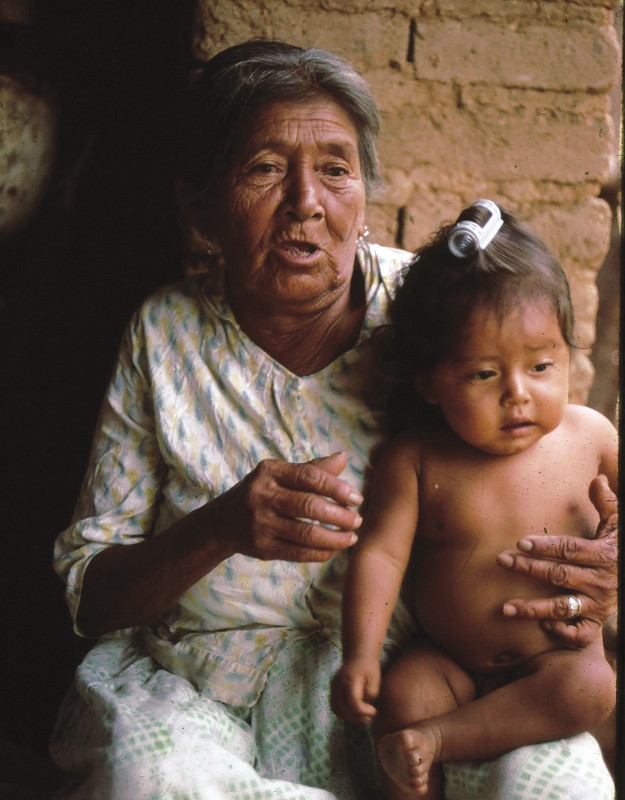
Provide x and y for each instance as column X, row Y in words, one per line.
column 283, row 510
column 263, row 516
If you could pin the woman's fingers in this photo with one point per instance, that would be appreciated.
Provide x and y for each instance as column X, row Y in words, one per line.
column 593, row 579
column 334, row 463
column 588, row 567
column 551, row 608
column 297, row 540
column 600, row 553
column 585, row 568
column 314, row 508
column 606, row 503
column 319, row 476
column 294, row 512
column 594, row 583
column 555, row 613
column 557, row 573
column 568, row 550
column 306, row 492
column 272, row 536
column 577, row 634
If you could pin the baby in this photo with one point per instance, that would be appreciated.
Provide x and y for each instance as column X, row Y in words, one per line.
column 487, row 451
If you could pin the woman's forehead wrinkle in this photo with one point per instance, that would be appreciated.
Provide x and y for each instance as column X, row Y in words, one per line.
column 274, row 129
column 335, row 145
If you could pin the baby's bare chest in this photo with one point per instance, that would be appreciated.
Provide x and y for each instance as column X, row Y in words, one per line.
column 490, row 503
column 469, row 511
column 464, row 523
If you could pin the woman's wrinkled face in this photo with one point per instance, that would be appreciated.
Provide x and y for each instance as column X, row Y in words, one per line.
column 292, row 207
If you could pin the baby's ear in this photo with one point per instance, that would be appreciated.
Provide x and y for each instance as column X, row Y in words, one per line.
column 423, row 385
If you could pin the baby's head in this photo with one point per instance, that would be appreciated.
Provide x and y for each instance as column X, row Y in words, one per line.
column 484, row 267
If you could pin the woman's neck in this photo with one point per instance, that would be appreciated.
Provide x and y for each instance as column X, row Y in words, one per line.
column 304, row 341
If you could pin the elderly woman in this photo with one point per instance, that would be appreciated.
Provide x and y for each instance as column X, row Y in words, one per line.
column 229, row 465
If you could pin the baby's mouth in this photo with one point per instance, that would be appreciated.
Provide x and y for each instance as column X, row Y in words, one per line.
column 519, row 424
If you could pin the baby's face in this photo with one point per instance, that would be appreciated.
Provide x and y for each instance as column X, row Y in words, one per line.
column 504, row 384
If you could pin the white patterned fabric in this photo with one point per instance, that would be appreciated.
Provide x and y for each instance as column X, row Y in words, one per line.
column 192, row 407
column 570, row 769
column 227, row 697
column 129, row 730
column 133, row 731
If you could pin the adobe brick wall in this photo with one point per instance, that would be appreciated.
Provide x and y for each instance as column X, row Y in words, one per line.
column 479, row 99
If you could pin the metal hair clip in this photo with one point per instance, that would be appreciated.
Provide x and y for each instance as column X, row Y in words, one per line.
column 467, row 237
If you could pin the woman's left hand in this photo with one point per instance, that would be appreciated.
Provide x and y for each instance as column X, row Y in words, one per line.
column 586, row 567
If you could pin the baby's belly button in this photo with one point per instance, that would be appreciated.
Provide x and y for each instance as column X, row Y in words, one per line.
column 506, row 657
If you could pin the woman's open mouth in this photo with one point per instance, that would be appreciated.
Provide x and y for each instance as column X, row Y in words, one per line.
column 298, row 251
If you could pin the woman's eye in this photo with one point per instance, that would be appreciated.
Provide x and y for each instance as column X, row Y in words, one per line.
column 264, row 168
column 543, row 367
column 336, row 170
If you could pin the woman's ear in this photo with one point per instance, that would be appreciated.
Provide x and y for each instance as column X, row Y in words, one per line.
column 194, row 209
column 201, row 247
column 423, row 385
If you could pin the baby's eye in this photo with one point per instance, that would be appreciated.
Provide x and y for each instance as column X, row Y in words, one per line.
column 481, row 375
column 543, row 366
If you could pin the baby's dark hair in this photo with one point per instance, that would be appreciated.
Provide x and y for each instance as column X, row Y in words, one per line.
column 438, row 291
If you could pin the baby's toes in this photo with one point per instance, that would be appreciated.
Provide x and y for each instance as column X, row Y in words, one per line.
column 414, row 762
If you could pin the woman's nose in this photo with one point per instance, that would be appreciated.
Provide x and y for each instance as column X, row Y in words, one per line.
column 515, row 390
column 303, row 199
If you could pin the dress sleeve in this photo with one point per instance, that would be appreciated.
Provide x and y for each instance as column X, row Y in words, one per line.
column 119, row 498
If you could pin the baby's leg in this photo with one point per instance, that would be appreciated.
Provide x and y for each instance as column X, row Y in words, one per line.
column 422, row 683
column 556, row 695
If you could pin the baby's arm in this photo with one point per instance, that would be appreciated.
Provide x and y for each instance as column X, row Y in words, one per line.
column 607, row 440
column 373, row 581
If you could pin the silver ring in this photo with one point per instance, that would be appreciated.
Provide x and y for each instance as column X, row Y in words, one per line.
column 575, row 606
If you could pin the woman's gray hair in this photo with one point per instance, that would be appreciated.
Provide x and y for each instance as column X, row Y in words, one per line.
column 239, row 80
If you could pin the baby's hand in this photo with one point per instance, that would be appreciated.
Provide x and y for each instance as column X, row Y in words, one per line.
column 355, row 687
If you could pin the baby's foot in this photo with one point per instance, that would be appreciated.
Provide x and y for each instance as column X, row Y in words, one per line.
column 407, row 757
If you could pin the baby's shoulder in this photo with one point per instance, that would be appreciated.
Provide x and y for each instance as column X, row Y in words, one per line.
column 583, row 419
column 405, row 447
column 583, row 426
